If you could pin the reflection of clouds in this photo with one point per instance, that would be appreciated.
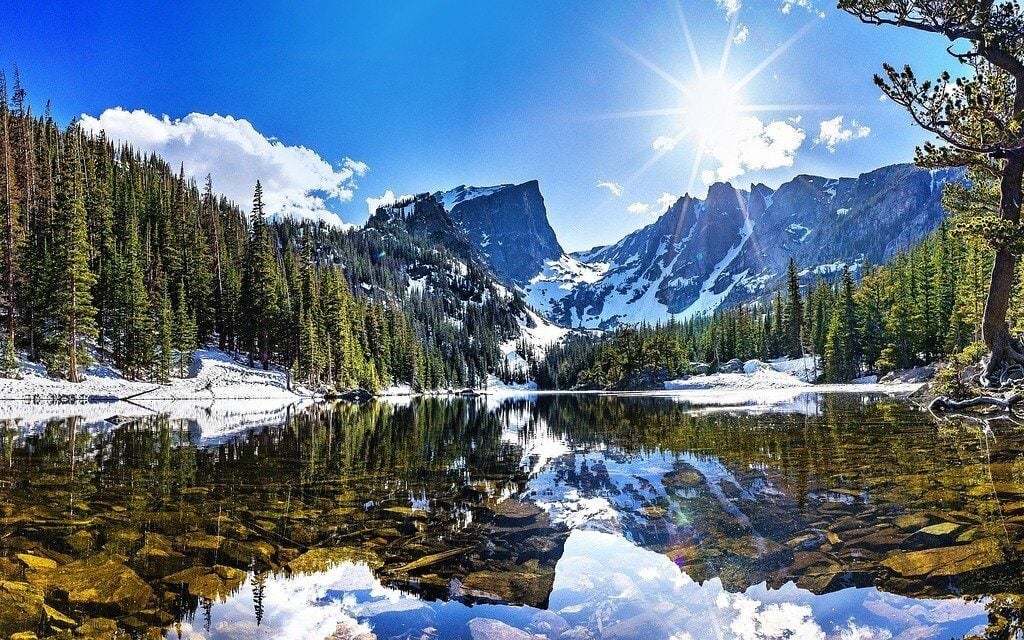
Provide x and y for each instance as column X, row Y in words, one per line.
column 305, row 606
column 601, row 573
column 601, row 581
column 755, row 620
column 854, row 631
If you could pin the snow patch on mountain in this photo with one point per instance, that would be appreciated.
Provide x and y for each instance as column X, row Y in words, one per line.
column 709, row 299
column 463, row 193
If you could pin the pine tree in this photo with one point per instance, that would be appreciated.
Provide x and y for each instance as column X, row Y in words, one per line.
column 841, row 344
column 794, row 313
column 259, row 285
column 73, row 313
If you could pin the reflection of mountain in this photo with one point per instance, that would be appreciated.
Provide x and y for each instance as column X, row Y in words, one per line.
column 473, row 501
column 749, row 497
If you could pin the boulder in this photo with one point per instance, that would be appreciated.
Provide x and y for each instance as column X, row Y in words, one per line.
column 700, row 368
column 946, row 561
column 733, row 366
column 21, row 607
column 101, row 583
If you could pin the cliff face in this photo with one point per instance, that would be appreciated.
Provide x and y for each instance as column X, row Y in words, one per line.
column 509, row 226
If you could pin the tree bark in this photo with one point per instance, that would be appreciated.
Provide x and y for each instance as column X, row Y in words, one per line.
column 995, row 331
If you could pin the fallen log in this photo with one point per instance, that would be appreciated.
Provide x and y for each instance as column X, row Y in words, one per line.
column 944, row 403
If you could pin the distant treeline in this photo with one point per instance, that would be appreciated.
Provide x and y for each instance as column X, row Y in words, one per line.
column 924, row 304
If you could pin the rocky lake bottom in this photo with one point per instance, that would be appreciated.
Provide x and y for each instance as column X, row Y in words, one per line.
column 849, row 516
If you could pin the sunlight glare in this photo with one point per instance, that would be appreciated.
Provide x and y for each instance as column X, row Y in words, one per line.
column 712, row 106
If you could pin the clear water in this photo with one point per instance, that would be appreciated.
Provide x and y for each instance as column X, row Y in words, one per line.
column 555, row 516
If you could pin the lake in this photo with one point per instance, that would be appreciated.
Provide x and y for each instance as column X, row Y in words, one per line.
column 845, row 516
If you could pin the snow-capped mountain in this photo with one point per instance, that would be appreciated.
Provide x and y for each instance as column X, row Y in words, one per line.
column 509, row 225
column 734, row 246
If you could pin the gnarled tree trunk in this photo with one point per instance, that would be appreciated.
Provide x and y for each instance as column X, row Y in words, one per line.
column 995, row 331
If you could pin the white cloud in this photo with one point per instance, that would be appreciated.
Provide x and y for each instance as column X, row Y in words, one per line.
column 787, row 6
column 731, row 7
column 389, row 197
column 296, row 181
column 666, row 200
column 742, row 33
column 752, row 145
column 639, row 208
column 614, row 187
column 664, row 143
column 832, row 133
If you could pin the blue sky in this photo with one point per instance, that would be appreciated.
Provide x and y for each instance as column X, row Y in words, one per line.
column 429, row 95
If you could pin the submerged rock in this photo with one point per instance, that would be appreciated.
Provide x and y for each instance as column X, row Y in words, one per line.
column 100, row 629
column 946, row 561
column 324, row 558
column 490, row 629
column 213, row 583
column 516, row 586
column 101, row 583
column 21, row 607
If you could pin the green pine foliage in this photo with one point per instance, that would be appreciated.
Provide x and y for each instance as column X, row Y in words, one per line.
column 923, row 305
column 108, row 252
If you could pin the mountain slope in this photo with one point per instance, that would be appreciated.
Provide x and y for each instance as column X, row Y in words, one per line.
column 734, row 246
column 448, row 281
column 509, row 226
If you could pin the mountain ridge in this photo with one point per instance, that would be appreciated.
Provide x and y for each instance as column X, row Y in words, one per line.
column 702, row 253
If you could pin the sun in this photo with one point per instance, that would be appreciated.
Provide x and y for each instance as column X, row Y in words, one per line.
column 711, row 106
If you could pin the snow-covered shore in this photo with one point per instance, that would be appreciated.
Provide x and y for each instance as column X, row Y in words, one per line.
column 215, row 375
column 776, row 385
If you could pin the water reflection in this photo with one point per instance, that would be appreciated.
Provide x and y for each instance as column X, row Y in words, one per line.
column 563, row 516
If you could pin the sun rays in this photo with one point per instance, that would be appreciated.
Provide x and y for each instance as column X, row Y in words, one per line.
column 711, row 104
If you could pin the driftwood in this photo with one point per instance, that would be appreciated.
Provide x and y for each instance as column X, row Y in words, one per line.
column 944, row 403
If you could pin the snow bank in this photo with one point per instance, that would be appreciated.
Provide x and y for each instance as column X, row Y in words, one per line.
column 496, row 386
column 210, row 421
column 778, row 374
column 215, row 375
column 779, row 385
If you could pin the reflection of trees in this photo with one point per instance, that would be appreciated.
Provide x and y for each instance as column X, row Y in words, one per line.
column 342, row 474
column 1005, row 618
column 887, row 448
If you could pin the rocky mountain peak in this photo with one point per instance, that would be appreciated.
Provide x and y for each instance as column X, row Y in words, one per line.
column 509, row 226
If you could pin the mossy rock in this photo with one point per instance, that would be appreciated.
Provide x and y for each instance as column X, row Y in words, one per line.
column 21, row 607
column 946, row 561
column 258, row 554
column 81, row 542
column 213, row 583
column 101, row 583
column 35, row 563
column 100, row 629
column 122, row 540
column 157, row 558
